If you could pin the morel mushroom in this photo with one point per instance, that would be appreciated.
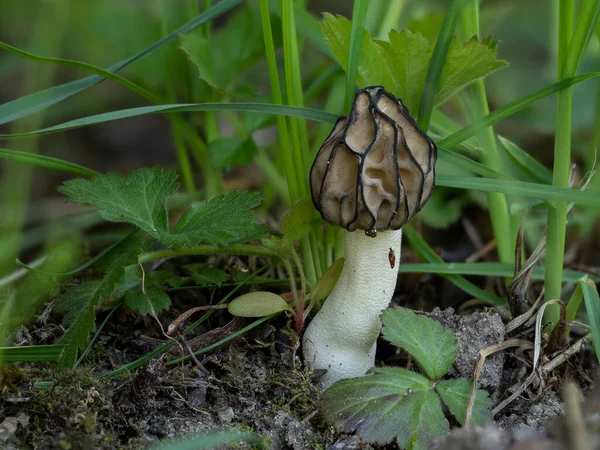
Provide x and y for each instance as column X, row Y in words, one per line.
column 374, row 172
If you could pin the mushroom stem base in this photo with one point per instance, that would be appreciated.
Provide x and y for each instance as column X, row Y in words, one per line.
column 341, row 338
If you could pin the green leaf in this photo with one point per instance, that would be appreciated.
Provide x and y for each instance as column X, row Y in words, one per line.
column 389, row 403
column 375, row 406
column 441, row 210
column 327, row 281
column 227, row 153
column 297, row 222
column 203, row 274
column 214, row 439
column 140, row 198
column 527, row 164
column 38, row 101
column 223, row 220
column 79, row 302
column 46, row 162
column 427, row 422
column 154, row 301
column 372, row 68
column 592, row 307
column 425, row 339
column 258, row 304
column 223, row 57
column 456, row 393
column 31, row 353
column 407, row 55
column 465, row 63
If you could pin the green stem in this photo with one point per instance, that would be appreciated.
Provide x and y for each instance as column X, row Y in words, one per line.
column 284, row 137
column 170, row 81
column 391, row 18
column 438, row 59
column 571, row 47
column 235, row 249
column 498, row 206
column 299, row 135
column 359, row 17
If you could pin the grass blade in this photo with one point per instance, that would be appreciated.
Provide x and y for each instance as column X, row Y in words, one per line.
column 46, row 162
column 510, row 109
column 33, row 103
column 491, row 269
column 523, row 189
column 466, row 163
column 359, row 17
column 592, row 306
column 436, row 64
column 428, row 254
column 292, row 111
column 526, row 163
column 31, row 353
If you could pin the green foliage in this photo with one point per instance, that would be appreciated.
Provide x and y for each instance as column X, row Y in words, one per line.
column 327, row 281
column 227, row 153
column 204, row 274
column 214, row 439
column 258, row 304
column 433, row 347
column 223, row 57
column 401, row 64
column 140, row 198
column 442, row 210
column 79, row 302
column 297, row 222
column 455, row 394
column 394, row 403
column 592, row 306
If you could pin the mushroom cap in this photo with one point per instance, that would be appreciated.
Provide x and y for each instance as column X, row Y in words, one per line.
column 376, row 169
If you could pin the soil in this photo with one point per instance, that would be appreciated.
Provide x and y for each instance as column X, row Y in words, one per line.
column 257, row 383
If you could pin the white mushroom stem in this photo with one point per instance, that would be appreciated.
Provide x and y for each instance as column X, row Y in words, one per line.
column 342, row 337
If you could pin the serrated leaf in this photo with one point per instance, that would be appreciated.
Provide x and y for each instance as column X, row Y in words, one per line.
column 372, row 68
column 155, row 300
column 327, row 281
column 78, row 303
column 425, row 339
column 407, row 55
column 258, row 304
column 222, row 220
column 427, row 422
column 465, row 63
column 203, row 274
column 456, row 393
column 375, row 406
column 401, row 64
column 227, row 153
column 140, row 198
column 296, row 222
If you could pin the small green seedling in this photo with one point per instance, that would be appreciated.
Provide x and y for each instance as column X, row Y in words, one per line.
column 395, row 403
